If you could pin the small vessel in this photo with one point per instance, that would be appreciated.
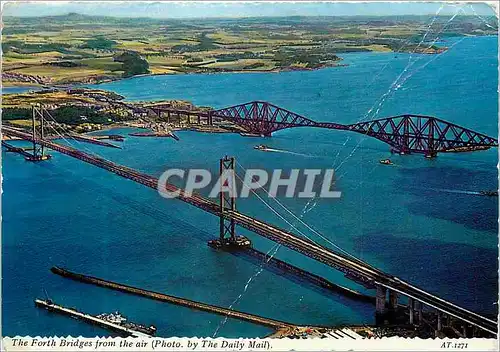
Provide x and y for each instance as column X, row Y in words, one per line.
column 239, row 242
column 489, row 193
column 261, row 147
column 386, row 162
column 117, row 318
column 246, row 134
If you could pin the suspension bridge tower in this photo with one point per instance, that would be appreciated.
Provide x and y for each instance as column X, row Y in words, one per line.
column 227, row 205
column 37, row 130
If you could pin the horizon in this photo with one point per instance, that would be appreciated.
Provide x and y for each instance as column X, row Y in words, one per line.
column 235, row 18
column 234, row 10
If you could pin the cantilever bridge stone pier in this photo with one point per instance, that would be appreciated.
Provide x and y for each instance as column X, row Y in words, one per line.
column 389, row 289
column 405, row 134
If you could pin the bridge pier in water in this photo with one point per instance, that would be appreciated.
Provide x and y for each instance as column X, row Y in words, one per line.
column 385, row 309
column 411, row 310
column 393, row 299
column 438, row 323
column 380, row 301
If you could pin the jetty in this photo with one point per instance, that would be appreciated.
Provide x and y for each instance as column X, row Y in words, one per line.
column 92, row 140
column 10, row 148
column 122, row 330
column 252, row 318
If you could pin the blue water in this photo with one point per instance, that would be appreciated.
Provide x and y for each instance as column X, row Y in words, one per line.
column 410, row 219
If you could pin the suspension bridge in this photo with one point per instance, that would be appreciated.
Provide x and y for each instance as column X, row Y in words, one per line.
column 405, row 134
column 388, row 288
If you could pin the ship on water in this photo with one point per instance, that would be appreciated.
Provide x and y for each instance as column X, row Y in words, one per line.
column 489, row 193
column 261, row 147
column 111, row 321
column 119, row 319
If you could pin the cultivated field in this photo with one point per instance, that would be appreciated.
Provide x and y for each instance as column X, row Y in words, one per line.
column 84, row 49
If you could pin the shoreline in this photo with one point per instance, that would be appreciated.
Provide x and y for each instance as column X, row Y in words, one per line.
column 107, row 79
column 13, row 84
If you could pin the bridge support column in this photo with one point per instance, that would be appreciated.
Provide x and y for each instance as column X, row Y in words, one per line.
column 439, row 321
column 393, row 299
column 227, row 210
column 419, row 310
column 431, row 153
column 380, row 300
column 412, row 310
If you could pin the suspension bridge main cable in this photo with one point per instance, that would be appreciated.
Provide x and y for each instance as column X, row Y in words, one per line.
column 296, row 218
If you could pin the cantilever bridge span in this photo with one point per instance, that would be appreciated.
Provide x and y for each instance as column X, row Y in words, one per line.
column 354, row 268
column 404, row 133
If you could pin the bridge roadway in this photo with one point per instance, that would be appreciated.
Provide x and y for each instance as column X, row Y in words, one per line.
column 352, row 267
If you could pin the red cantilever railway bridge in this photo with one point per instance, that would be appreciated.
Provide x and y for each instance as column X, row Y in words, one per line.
column 354, row 268
column 404, row 133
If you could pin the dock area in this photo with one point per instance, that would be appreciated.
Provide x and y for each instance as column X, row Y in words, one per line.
column 111, row 137
column 92, row 140
column 89, row 318
column 19, row 150
column 252, row 318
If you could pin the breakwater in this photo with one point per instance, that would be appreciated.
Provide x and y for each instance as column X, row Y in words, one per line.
column 252, row 318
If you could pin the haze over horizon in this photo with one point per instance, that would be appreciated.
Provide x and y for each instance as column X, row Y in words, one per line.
column 243, row 9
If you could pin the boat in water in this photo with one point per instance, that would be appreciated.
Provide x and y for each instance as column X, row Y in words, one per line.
column 261, row 147
column 386, row 162
column 489, row 193
column 117, row 318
